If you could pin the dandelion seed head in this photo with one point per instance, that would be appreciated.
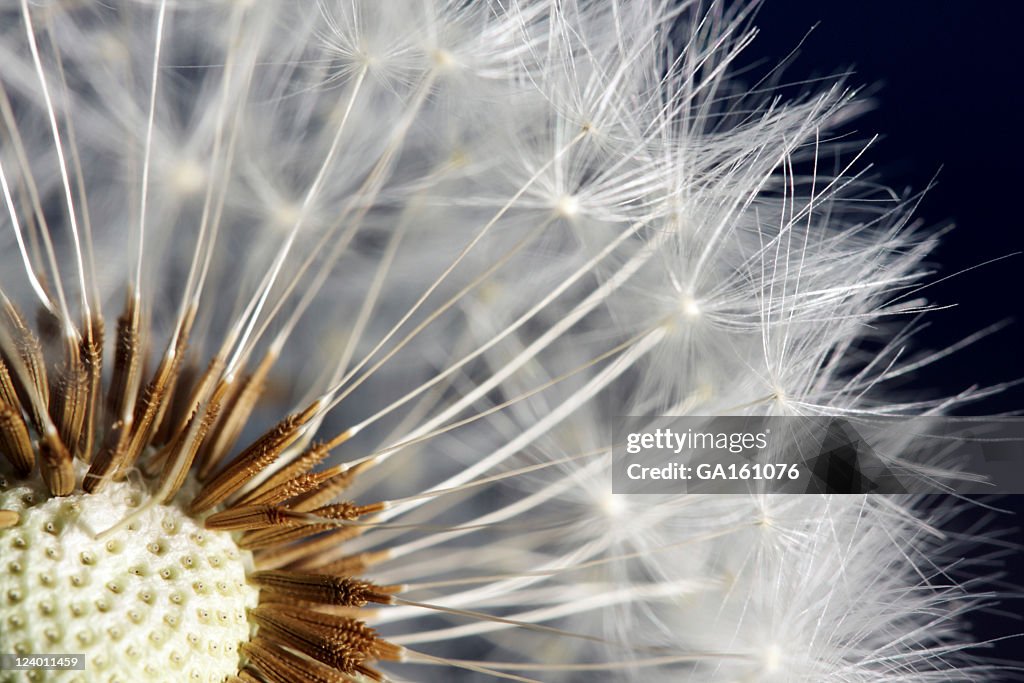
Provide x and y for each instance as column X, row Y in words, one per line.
column 355, row 296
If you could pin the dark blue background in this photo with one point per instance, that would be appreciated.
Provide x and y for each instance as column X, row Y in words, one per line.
column 946, row 78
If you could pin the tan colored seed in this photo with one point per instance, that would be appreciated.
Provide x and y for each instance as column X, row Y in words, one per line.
column 252, row 460
column 15, row 442
column 9, row 518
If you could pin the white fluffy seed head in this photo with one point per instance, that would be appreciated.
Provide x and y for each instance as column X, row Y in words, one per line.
column 599, row 223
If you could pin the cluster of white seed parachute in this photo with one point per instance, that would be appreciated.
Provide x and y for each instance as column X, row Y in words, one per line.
column 469, row 235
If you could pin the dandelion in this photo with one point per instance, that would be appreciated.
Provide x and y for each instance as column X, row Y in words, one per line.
column 315, row 323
